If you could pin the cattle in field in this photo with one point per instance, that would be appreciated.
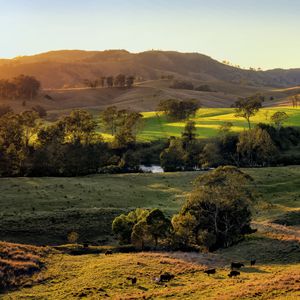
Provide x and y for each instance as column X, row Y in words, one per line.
column 235, row 265
column 252, row 262
column 233, row 273
column 210, row 271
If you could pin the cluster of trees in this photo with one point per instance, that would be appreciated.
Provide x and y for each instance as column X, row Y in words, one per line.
column 20, row 87
column 178, row 109
column 69, row 147
column 187, row 85
column 258, row 146
column 216, row 214
column 123, row 125
column 120, row 81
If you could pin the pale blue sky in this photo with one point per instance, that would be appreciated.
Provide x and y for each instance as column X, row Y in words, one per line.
column 258, row 33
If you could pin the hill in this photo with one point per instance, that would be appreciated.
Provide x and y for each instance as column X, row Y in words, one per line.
column 62, row 74
column 57, row 69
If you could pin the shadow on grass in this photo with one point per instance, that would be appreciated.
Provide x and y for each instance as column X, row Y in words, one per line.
column 253, row 270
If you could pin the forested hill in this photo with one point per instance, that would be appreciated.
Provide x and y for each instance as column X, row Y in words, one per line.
column 69, row 68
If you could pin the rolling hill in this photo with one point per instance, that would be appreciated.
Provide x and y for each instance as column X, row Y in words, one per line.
column 62, row 74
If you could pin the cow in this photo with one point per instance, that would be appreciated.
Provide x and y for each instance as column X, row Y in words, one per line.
column 252, row 262
column 108, row 252
column 235, row 265
column 133, row 279
column 233, row 273
column 210, row 271
column 165, row 277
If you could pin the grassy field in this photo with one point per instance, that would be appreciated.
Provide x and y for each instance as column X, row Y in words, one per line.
column 44, row 210
column 103, row 277
column 208, row 121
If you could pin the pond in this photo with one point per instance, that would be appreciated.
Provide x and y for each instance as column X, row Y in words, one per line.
column 151, row 169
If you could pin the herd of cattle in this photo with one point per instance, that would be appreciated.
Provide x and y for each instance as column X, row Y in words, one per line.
column 234, row 266
column 165, row 277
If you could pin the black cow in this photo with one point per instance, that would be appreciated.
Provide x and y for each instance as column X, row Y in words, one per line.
column 108, row 252
column 233, row 273
column 133, row 279
column 252, row 262
column 165, row 277
column 236, row 265
column 210, row 271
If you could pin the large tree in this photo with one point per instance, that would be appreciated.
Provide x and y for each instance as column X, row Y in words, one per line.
column 217, row 212
column 248, row 107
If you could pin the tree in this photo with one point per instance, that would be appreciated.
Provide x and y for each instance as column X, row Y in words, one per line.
column 158, row 225
column 120, row 80
column 123, row 225
column 256, row 147
column 102, row 81
column 178, row 110
column 220, row 206
column 21, row 86
column 109, row 118
column 172, row 158
column 225, row 128
column 91, row 83
column 110, row 81
column 210, row 156
column 28, row 121
column 122, row 228
column 140, row 234
column 183, row 231
column 248, row 107
column 79, row 127
column 130, row 81
column 27, row 86
column 278, row 118
column 189, row 134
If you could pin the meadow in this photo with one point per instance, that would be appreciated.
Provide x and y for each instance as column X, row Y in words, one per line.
column 208, row 120
column 44, row 210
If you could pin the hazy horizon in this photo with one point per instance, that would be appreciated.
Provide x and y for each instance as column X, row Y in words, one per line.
column 248, row 34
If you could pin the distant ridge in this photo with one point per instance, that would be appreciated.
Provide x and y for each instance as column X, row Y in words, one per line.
column 68, row 68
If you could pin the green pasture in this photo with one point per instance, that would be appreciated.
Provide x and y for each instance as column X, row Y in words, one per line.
column 45, row 210
column 208, row 121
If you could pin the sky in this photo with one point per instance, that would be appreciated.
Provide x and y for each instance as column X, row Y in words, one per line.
column 249, row 33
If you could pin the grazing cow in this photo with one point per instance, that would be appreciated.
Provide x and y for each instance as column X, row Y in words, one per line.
column 210, row 271
column 165, row 277
column 236, row 265
column 85, row 245
column 252, row 262
column 133, row 279
column 233, row 273
column 108, row 252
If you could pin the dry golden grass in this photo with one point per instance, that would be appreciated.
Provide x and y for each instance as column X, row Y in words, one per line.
column 18, row 262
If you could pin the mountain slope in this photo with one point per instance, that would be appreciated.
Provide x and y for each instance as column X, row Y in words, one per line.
column 68, row 68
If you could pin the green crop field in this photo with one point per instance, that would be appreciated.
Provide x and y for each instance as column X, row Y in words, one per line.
column 43, row 210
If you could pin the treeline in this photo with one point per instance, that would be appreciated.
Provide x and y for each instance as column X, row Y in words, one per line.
column 217, row 214
column 121, row 81
column 20, row 87
column 72, row 146
column 69, row 147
